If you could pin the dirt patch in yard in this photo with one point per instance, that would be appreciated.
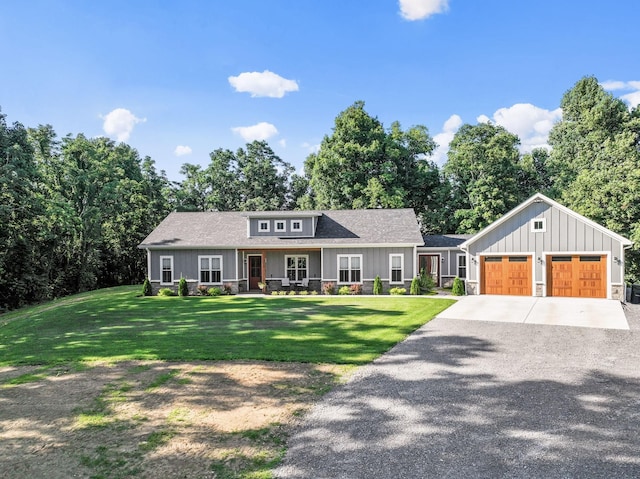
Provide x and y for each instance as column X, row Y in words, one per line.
column 152, row 419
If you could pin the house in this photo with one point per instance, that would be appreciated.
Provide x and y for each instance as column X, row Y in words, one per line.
column 541, row 248
column 243, row 249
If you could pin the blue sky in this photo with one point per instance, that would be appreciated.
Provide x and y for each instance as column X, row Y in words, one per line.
column 179, row 79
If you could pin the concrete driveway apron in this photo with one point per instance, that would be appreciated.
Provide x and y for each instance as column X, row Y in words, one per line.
column 482, row 399
column 580, row 312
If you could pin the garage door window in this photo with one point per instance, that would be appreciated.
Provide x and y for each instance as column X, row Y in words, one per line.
column 591, row 259
column 561, row 259
column 493, row 259
column 517, row 259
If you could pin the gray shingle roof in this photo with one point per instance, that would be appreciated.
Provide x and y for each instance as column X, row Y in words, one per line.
column 335, row 227
column 444, row 241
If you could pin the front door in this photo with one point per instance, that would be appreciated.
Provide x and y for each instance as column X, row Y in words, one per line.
column 255, row 271
column 430, row 263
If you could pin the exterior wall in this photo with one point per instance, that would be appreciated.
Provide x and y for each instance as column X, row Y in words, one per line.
column 185, row 263
column 448, row 267
column 563, row 234
column 375, row 261
column 307, row 227
column 276, row 267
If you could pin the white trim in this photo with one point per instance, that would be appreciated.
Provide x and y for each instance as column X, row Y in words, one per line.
column 280, row 222
column 292, row 246
column 170, row 258
column 321, row 264
column 306, row 256
column 296, row 230
column 210, row 257
column 264, row 222
column 391, row 255
column 349, row 256
column 543, row 225
column 546, row 254
column 466, row 267
column 148, row 264
column 236, row 279
column 538, row 197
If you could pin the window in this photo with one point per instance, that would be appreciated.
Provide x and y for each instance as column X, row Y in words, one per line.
column 538, row 225
column 210, row 269
column 166, row 269
column 263, row 226
column 396, row 274
column 349, row 268
column 462, row 266
column 296, row 267
column 281, row 225
column 296, row 225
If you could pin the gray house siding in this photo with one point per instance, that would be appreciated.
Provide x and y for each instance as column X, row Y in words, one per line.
column 448, row 263
column 375, row 261
column 307, row 227
column 563, row 233
column 185, row 263
column 276, row 265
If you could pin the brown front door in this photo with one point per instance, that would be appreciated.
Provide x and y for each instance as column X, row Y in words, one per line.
column 430, row 263
column 255, row 271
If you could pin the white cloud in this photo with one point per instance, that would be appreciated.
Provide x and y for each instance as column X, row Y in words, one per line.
column 267, row 84
column 182, row 150
column 443, row 138
column 283, row 143
column 421, row 9
column 483, row 119
column 119, row 123
column 311, row 147
column 531, row 123
column 259, row 132
column 632, row 98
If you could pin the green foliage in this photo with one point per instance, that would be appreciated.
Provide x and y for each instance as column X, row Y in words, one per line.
column 183, row 287
column 397, row 291
column 331, row 329
column 214, row 291
column 166, row 292
column 329, row 288
column 344, row 290
column 304, row 292
column 203, row 290
column 415, row 287
column 377, row 286
column 355, row 289
column 458, row 287
column 292, row 292
column 426, row 282
column 146, row 288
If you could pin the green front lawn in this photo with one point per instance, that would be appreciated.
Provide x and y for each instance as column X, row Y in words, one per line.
column 115, row 324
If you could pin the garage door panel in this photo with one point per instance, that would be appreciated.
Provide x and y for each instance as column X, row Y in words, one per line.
column 580, row 276
column 509, row 275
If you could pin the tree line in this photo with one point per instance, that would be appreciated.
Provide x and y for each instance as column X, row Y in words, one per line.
column 73, row 210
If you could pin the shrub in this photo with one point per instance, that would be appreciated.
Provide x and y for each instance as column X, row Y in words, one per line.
column 398, row 291
column 415, row 289
column 146, row 288
column 274, row 293
column 203, row 290
column 458, row 287
column 282, row 293
column 344, row 290
column 215, row 291
column 377, row 285
column 329, row 288
column 292, row 292
column 166, row 292
column 427, row 283
column 355, row 289
column 183, row 288
column 314, row 293
column 304, row 292
column 227, row 288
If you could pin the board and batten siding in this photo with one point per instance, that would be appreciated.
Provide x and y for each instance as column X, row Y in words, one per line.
column 185, row 263
column 375, row 261
column 276, row 268
column 563, row 233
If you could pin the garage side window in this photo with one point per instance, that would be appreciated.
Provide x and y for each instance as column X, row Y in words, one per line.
column 462, row 266
column 166, row 269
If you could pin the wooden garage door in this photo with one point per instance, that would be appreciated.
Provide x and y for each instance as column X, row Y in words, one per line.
column 577, row 276
column 506, row 275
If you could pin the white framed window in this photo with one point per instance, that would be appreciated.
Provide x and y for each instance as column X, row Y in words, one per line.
column 349, row 268
column 296, row 267
column 538, row 225
column 296, row 225
column 281, row 225
column 396, row 268
column 166, row 269
column 264, row 226
column 462, row 266
column 210, row 269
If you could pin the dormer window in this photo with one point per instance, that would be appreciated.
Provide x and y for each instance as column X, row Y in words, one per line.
column 281, row 226
column 296, row 225
column 263, row 226
column 538, row 225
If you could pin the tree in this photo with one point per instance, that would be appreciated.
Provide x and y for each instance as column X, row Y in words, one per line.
column 483, row 168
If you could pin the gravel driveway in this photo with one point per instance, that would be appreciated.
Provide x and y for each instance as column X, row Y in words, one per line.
column 462, row 399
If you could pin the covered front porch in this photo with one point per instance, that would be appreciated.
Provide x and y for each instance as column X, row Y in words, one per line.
column 300, row 268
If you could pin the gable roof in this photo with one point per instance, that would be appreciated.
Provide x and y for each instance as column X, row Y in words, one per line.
column 539, row 197
column 444, row 241
column 335, row 227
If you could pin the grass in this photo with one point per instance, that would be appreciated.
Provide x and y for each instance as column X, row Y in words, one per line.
column 116, row 324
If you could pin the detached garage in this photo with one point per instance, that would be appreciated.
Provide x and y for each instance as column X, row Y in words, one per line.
column 542, row 248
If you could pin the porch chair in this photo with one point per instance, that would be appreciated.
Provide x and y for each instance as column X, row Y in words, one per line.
column 305, row 284
column 286, row 283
